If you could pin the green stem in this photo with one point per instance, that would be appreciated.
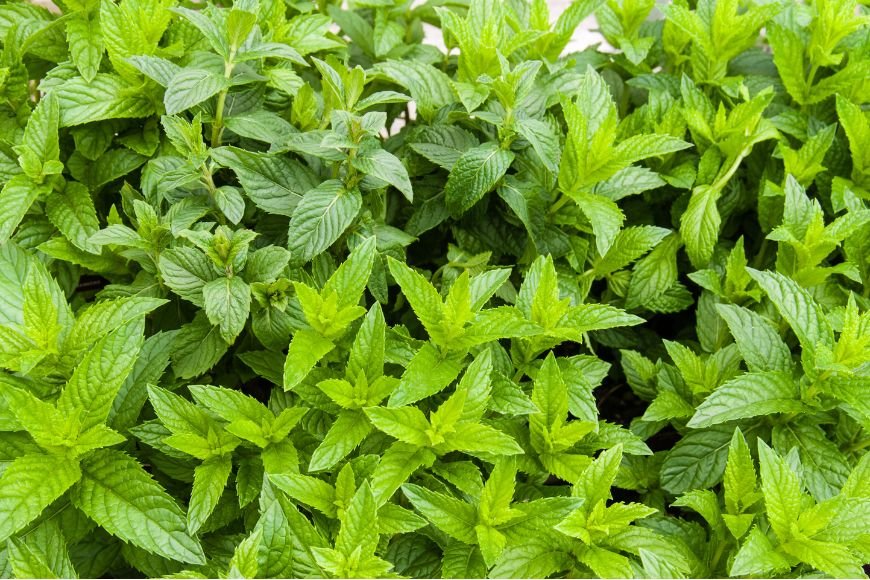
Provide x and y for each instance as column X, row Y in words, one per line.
column 720, row 183
column 810, row 80
column 815, row 386
column 560, row 203
column 351, row 178
column 208, row 181
column 217, row 127
column 46, row 516
column 760, row 256
column 858, row 445
column 720, row 549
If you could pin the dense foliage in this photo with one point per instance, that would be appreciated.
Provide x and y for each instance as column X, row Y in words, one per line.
column 287, row 292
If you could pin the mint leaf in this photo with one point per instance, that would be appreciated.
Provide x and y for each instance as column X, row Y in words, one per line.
column 323, row 214
column 386, row 167
column 798, row 308
column 748, row 395
column 29, row 485
column 117, row 493
column 91, row 390
column 190, row 87
column 261, row 314
column 474, row 174
column 227, row 302
column 16, row 197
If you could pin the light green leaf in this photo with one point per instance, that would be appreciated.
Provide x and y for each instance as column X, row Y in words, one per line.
column 229, row 404
column 151, row 363
column 550, row 394
column 42, row 553
column 85, row 42
column 209, row 480
column 758, row 556
column 543, row 140
column 605, row 216
column 227, row 305
column 198, row 346
column 407, row 424
column 366, row 356
column 92, row 388
column 105, row 97
column 825, row 466
column 101, row 318
column 206, row 27
column 29, row 485
column 590, row 317
column 190, row 87
column 749, row 395
column 118, row 494
column 654, row 274
column 306, row 349
column 72, row 212
column 699, row 225
column 16, row 197
column 386, row 167
column 350, row 279
column 759, row 343
column 831, row 558
column 359, row 524
column 428, row 85
column 396, row 465
column 346, row 433
column 857, row 128
column 186, row 271
column 788, row 56
column 802, row 313
column 640, row 147
column 244, row 561
column 423, row 297
column 606, row 563
column 480, row 438
column 308, row 490
column 474, row 174
column 158, row 69
column 630, row 244
column 697, row 461
column 429, row 372
column 782, row 492
column 230, row 202
column 740, row 478
column 40, row 145
column 323, row 214
column 594, row 485
column 452, row 516
column 275, row 184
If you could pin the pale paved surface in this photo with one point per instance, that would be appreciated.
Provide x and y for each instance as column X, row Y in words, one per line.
column 583, row 37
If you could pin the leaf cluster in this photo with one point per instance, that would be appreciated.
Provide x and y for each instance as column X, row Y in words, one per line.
column 286, row 291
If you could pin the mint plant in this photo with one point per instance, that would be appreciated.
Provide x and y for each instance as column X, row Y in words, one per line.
column 288, row 291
